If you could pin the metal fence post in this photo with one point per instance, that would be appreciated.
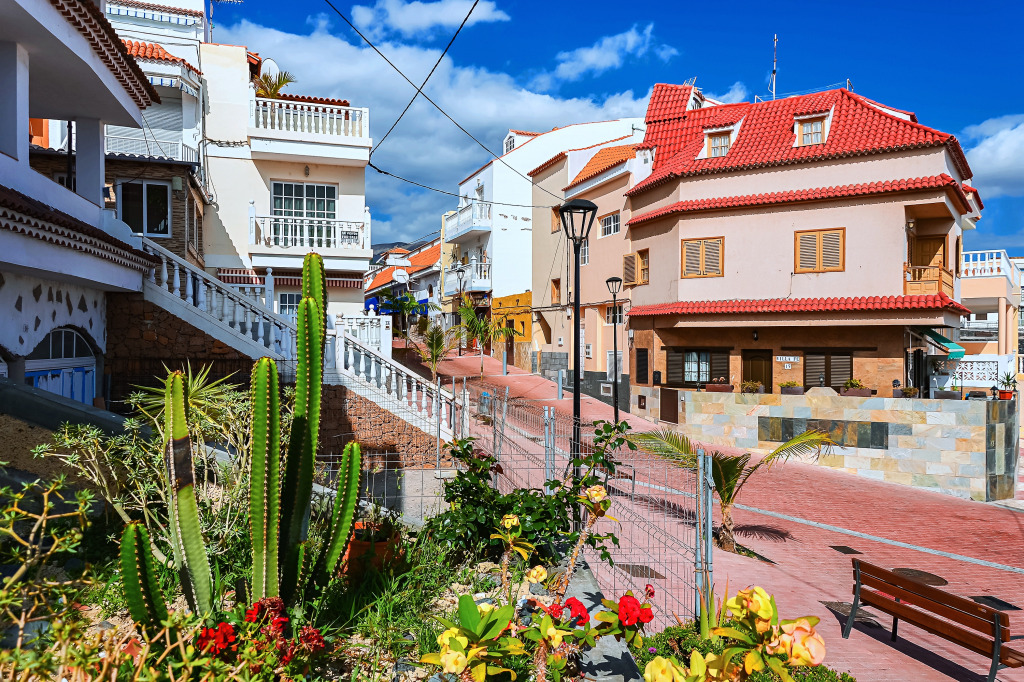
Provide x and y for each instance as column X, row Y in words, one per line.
column 549, row 451
column 561, row 375
column 709, row 556
column 698, row 545
column 437, row 415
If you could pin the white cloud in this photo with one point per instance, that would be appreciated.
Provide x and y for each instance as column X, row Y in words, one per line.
column 609, row 52
column 425, row 146
column 997, row 156
column 736, row 93
column 421, row 18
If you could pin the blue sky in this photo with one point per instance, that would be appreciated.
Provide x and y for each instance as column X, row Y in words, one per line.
column 534, row 65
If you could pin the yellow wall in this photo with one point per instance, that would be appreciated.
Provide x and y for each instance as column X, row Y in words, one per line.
column 519, row 308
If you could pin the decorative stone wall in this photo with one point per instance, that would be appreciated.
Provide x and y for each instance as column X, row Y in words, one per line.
column 31, row 308
column 966, row 448
column 347, row 416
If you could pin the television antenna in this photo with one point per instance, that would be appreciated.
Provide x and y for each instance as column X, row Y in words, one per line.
column 212, row 2
column 775, row 65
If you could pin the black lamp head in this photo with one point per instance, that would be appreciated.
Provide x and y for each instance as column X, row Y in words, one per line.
column 577, row 218
column 614, row 285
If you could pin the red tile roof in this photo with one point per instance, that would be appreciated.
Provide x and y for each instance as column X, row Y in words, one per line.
column 605, row 159
column 561, row 155
column 158, row 8
column 88, row 20
column 801, row 305
column 419, row 261
column 315, row 100
column 977, row 197
column 766, row 135
column 525, row 132
column 942, row 181
column 155, row 53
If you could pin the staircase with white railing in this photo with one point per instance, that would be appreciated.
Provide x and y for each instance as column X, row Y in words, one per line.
column 216, row 308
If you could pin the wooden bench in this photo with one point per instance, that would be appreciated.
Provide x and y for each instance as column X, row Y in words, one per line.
column 973, row 626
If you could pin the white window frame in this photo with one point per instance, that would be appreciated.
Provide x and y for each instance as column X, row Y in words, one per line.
column 585, row 252
column 121, row 182
column 805, row 133
column 284, row 298
column 510, row 143
column 588, row 351
column 304, row 184
column 608, row 364
column 617, row 224
column 712, row 147
column 618, row 316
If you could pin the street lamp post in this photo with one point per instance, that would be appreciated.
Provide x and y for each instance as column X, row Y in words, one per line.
column 577, row 218
column 614, row 287
column 459, row 274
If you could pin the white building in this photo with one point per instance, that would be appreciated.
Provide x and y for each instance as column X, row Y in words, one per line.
column 491, row 230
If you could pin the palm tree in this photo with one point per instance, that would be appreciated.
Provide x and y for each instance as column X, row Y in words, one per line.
column 271, row 86
column 482, row 329
column 436, row 344
column 405, row 305
column 730, row 472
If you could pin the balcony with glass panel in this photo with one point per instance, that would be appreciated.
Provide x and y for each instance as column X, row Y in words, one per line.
column 470, row 220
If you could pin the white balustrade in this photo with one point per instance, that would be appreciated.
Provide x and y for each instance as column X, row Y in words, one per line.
column 219, row 301
column 989, row 264
column 290, row 231
column 371, row 330
column 476, row 277
column 308, row 117
column 474, row 215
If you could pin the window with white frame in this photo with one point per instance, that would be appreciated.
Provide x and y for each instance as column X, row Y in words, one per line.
column 718, row 144
column 145, row 205
column 610, row 224
column 613, row 364
column 585, row 252
column 613, row 314
column 305, row 200
column 510, row 144
column 288, row 304
column 811, row 131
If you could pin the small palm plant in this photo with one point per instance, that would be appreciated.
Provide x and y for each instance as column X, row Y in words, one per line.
column 271, row 86
column 405, row 305
column 482, row 329
column 730, row 472
column 436, row 344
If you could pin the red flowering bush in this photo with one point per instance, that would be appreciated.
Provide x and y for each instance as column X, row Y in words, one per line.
column 217, row 641
column 577, row 611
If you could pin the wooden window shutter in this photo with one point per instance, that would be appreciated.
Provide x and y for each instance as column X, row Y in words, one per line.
column 692, row 258
column 814, row 367
column 712, row 257
column 720, row 366
column 640, row 371
column 840, row 369
column 629, row 269
column 807, row 252
column 673, row 366
column 832, row 250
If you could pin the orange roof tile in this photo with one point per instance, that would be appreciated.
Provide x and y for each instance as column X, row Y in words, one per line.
column 765, row 138
column 315, row 100
column 605, row 159
column 814, row 194
column 977, row 197
column 524, row 132
column 154, row 52
column 800, row 305
column 418, row 261
column 561, row 155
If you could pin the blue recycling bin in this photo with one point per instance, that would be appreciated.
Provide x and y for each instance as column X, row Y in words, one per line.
column 485, row 403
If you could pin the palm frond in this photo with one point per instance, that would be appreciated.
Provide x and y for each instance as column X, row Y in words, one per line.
column 730, row 472
column 667, row 443
column 271, row 86
column 808, row 442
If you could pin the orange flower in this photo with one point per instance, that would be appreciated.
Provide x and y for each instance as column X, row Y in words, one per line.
column 801, row 643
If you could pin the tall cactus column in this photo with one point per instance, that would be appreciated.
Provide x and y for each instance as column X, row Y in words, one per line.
column 264, row 496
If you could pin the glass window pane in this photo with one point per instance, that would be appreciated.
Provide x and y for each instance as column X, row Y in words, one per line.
column 278, row 189
column 321, row 191
column 131, row 205
column 332, row 192
column 56, row 345
column 158, row 200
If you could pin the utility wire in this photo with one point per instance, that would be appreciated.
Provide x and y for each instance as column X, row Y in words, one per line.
column 419, row 90
column 452, row 194
column 435, row 104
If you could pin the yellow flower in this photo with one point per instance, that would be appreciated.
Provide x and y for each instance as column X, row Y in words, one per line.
column 509, row 521
column 754, row 600
column 802, row 643
column 445, row 637
column 554, row 635
column 485, row 608
column 597, row 493
column 537, row 574
column 453, row 662
column 663, row 670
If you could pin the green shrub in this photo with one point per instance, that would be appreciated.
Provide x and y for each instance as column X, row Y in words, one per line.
column 854, row 383
column 751, row 387
column 790, row 384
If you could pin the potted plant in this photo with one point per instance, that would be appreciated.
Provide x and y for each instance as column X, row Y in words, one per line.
column 751, row 386
column 718, row 386
column 1007, row 386
column 855, row 388
column 376, row 542
column 952, row 393
column 791, row 388
column 907, row 392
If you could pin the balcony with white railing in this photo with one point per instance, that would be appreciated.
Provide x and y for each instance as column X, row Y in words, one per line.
column 990, row 264
column 292, row 130
column 986, row 277
column 476, row 277
column 472, row 219
column 283, row 241
column 168, row 149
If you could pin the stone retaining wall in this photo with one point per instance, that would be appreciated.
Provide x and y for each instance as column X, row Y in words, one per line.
column 966, row 448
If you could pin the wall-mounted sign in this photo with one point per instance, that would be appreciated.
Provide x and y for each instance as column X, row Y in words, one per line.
column 787, row 358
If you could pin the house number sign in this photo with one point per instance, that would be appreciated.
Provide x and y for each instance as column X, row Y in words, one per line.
column 787, row 358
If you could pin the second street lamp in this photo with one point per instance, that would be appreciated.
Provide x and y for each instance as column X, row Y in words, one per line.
column 577, row 219
column 614, row 287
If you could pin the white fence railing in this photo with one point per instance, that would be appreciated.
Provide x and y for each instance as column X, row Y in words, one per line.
column 308, row 117
column 313, row 233
column 989, row 264
column 473, row 214
column 171, row 149
column 475, row 277
column 372, row 330
column 222, row 302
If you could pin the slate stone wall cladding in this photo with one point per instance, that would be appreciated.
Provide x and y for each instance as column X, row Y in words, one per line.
column 34, row 307
column 966, row 448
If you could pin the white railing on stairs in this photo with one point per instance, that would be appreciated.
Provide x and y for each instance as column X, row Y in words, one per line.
column 222, row 302
column 426, row 401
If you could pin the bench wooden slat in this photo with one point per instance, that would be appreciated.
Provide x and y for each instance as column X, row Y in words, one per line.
column 986, row 626
column 928, row 592
column 941, row 628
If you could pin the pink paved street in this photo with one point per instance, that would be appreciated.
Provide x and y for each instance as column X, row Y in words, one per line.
column 803, row 570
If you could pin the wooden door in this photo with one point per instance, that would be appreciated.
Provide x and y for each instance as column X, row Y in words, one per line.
column 757, row 366
column 669, row 405
column 929, row 251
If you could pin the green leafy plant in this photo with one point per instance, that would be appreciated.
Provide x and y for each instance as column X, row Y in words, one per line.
column 751, row 386
column 484, row 330
column 405, row 305
column 1008, row 381
column 853, row 383
column 475, row 645
column 790, row 384
column 435, row 345
column 271, row 86
column 909, row 391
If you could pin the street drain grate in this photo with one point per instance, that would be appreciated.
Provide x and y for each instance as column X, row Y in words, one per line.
column 995, row 603
column 844, row 549
column 640, row 571
column 921, row 576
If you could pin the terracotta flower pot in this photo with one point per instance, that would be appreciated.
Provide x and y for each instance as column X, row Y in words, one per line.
column 718, row 388
column 1005, row 395
column 857, row 392
column 363, row 554
column 792, row 390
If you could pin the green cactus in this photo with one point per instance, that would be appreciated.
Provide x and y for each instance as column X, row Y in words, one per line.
column 265, row 482
column 186, row 535
column 314, row 282
column 138, row 572
column 344, row 511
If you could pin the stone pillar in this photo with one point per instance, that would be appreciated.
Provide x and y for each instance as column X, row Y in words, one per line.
column 14, row 133
column 90, row 176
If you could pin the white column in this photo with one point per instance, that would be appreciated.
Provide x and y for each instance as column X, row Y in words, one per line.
column 270, row 289
column 90, row 160
column 252, row 221
column 14, row 133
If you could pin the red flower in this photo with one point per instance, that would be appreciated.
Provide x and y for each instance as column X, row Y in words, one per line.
column 629, row 610
column 272, row 606
column 252, row 615
column 556, row 610
column 288, row 655
column 649, row 591
column 311, row 640
column 646, row 614
column 217, row 640
column 275, row 628
column 577, row 611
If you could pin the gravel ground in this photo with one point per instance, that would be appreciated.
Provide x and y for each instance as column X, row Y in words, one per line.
column 17, row 438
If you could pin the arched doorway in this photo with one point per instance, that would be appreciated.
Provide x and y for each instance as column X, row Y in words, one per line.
column 63, row 363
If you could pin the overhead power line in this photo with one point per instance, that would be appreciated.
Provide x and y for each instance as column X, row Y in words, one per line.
column 452, row 194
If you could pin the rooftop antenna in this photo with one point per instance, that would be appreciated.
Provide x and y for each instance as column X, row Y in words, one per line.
column 849, row 85
column 775, row 65
column 212, row 3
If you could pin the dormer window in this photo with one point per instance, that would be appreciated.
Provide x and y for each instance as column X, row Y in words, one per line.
column 811, row 132
column 719, row 143
column 510, row 143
